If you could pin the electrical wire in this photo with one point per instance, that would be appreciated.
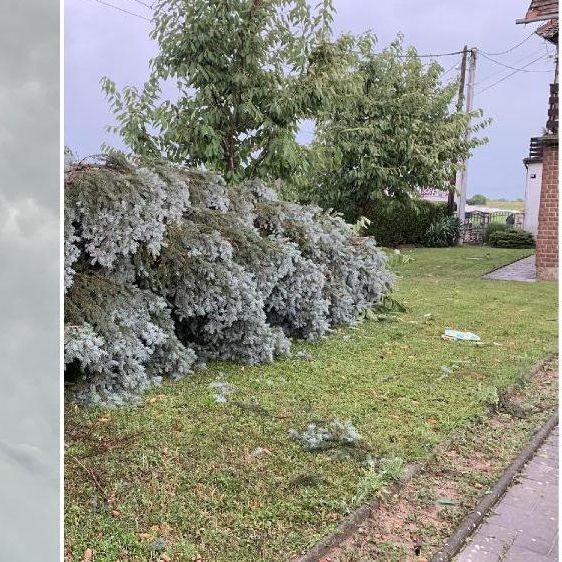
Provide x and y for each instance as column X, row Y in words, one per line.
column 450, row 68
column 501, row 71
column 512, row 67
column 149, row 6
column 511, row 74
column 433, row 56
column 108, row 5
column 511, row 48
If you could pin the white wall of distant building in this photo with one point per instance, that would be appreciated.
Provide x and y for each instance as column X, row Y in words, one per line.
column 533, row 181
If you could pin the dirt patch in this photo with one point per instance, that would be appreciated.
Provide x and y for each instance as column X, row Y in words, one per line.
column 412, row 523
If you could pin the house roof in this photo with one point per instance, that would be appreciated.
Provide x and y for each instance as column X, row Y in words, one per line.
column 549, row 31
column 541, row 10
column 547, row 11
column 535, row 151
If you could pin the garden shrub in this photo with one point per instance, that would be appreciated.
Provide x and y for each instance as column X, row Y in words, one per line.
column 512, row 238
column 494, row 227
column 443, row 233
column 167, row 267
column 405, row 223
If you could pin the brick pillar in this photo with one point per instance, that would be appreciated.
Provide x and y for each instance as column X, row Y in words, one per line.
column 547, row 236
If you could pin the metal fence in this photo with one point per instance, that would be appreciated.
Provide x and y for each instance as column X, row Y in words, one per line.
column 476, row 221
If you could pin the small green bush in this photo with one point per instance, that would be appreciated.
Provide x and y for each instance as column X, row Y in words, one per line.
column 495, row 227
column 405, row 223
column 443, row 233
column 512, row 238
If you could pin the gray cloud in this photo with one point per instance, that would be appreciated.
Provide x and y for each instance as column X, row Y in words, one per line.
column 29, row 280
column 29, row 514
column 30, row 89
column 30, row 458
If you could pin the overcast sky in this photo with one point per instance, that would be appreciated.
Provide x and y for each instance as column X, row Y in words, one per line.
column 103, row 41
column 29, row 280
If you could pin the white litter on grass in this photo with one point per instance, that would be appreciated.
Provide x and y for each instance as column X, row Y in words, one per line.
column 456, row 335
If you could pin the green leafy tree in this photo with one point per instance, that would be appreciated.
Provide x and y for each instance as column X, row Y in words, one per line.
column 247, row 72
column 396, row 131
column 477, row 199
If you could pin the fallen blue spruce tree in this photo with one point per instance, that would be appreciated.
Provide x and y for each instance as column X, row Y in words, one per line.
column 168, row 267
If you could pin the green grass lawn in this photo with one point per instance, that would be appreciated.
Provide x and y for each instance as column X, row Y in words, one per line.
column 181, row 466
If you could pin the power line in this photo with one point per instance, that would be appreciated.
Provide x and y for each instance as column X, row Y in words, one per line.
column 424, row 56
column 450, row 68
column 437, row 55
column 511, row 48
column 108, row 5
column 149, row 6
column 483, row 53
column 433, row 56
column 512, row 67
column 511, row 74
column 520, row 59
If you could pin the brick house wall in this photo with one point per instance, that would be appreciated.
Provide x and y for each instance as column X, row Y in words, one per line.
column 547, row 236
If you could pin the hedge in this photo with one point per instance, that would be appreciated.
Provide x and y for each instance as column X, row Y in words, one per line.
column 495, row 227
column 395, row 224
column 512, row 238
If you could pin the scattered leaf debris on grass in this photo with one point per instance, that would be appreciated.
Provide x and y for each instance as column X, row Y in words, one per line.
column 225, row 505
column 319, row 436
column 412, row 524
column 222, row 391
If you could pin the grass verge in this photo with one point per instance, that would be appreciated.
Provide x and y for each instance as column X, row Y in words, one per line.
column 412, row 524
column 181, row 476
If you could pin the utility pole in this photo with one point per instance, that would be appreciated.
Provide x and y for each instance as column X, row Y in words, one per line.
column 462, row 175
column 460, row 102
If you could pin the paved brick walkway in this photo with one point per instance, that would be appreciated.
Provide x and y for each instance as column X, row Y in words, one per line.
column 522, row 270
column 523, row 526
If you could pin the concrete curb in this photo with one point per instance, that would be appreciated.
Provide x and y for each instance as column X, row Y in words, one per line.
column 352, row 522
column 453, row 545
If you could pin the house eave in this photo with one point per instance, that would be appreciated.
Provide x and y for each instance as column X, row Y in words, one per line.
column 528, row 161
column 552, row 16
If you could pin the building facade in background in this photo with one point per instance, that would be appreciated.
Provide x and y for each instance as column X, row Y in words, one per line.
column 546, row 13
column 533, row 183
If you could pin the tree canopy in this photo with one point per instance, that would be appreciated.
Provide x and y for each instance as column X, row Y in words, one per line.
column 395, row 132
column 246, row 73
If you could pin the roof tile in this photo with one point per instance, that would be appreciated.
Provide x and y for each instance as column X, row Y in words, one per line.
column 541, row 8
